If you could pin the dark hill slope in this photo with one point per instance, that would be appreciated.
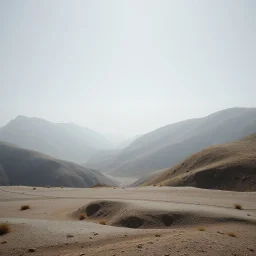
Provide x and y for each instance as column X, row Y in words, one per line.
column 19, row 166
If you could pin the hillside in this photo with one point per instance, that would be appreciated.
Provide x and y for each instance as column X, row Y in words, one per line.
column 230, row 166
column 63, row 141
column 19, row 166
column 167, row 146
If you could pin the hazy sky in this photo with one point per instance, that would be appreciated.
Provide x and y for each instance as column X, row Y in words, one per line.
column 125, row 67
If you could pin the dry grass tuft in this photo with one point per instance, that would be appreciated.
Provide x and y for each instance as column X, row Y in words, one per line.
column 238, row 206
column 24, row 207
column 201, row 229
column 103, row 222
column 232, row 234
column 82, row 216
column 4, row 229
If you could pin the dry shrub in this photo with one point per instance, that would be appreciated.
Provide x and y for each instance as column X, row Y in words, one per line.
column 238, row 206
column 232, row 234
column 4, row 229
column 103, row 222
column 82, row 216
column 201, row 229
column 24, row 207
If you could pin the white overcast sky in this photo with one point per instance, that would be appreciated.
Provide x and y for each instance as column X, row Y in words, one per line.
column 125, row 66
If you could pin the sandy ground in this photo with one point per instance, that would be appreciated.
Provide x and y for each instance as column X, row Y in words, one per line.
column 52, row 228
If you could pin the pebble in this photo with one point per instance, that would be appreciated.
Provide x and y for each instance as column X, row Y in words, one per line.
column 31, row 250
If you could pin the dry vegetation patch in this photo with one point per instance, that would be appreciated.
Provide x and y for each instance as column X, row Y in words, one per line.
column 103, row 222
column 82, row 216
column 201, row 229
column 238, row 206
column 4, row 229
column 24, row 207
column 232, row 234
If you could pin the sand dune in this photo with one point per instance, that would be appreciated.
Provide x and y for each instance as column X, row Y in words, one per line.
column 134, row 214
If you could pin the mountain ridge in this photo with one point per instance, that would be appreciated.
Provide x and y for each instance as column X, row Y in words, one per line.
column 166, row 146
column 63, row 141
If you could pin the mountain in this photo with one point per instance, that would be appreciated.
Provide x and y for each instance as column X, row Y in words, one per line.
column 63, row 141
column 102, row 158
column 20, row 166
column 230, row 166
column 127, row 142
column 168, row 145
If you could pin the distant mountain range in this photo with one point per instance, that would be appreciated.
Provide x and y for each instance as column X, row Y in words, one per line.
column 66, row 141
column 19, row 166
column 168, row 145
column 156, row 150
column 230, row 166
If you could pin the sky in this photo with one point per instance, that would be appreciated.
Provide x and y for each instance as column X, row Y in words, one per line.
column 125, row 67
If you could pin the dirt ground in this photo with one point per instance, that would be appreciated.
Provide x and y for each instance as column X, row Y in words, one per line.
column 203, row 222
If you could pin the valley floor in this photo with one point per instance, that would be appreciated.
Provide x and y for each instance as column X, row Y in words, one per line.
column 51, row 228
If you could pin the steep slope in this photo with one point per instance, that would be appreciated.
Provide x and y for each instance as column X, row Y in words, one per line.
column 19, row 166
column 230, row 166
column 63, row 141
column 168, row 145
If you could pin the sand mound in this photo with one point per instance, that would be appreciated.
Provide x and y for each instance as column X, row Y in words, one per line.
column 230, row 166
column 132, row 214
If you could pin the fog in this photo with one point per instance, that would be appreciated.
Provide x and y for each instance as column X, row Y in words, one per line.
column 125, row 67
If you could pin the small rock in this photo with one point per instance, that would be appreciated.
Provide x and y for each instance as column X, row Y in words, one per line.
column 139, row 246
column 81, row 254
column 4, row 242
column 251, row 250
column 68, row 236
column 95, row 234
column 90, row 237
column 157, row 235
column 31, row 250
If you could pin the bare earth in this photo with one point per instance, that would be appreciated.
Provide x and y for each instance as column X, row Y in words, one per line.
column 168, row 221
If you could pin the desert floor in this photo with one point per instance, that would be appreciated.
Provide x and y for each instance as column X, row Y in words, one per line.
column 169, row 220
